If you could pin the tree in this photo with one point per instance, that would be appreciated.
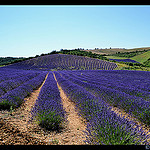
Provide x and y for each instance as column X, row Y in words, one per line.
column 37, row 56
column 42, row 54
column 53, row 52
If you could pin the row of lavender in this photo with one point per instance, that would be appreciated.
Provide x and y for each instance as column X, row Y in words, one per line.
column 16, row 80
column 48, row 109
column 131, row 82
column 125, row 60
column 129, row 90
column 9, row 74
column 63, row 62
column 104, row 125
column 18, row 86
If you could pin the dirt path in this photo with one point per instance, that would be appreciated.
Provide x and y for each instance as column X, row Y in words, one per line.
column 18, row 120
column 10, row 135
column 16, row 130
column 72, row 131
column 76, row 124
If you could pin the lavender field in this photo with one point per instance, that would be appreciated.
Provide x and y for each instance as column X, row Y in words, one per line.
column 63, row 62
column 125, row 60
column 92, row 85
column 94, row 92
column 16, row 84
column 129, row 90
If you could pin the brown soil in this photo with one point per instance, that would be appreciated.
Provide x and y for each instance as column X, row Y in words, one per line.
column 15, row 125
column 17, row 130
column 10, row 135
column 76, row 124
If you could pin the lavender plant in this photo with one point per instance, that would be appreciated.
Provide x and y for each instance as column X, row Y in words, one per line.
column 48, row 109
column 16, row 96
column 125, row 60
column 136, row 102
column 8, row 85
column 104, row 127
column 63, row 62
column 10, row 74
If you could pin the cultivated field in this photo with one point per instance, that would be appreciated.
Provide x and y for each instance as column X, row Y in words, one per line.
column 63, row 62
column 139, row 58
column 142, row 57
column 66, row 99
column 111, row 51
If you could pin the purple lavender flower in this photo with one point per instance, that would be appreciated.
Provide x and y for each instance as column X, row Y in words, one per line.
column 15, row 97
column 105, row 126
column 48, row 108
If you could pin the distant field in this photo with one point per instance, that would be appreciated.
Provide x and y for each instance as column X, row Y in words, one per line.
column 139, row 58
column 142, row 57
column 114, row 50
column 115, row 57
column 106, row 51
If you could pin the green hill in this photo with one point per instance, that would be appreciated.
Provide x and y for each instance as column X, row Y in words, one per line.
column 115, row 57
column 142, row 57
column 147, row 63
column 9, row 60
column 112, row 51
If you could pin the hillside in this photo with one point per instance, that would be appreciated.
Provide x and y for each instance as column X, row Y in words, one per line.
column 80, row 59
column 63, row 62
column 9, row 60
column 147, row 63
column 142, row 57
column 115, row 50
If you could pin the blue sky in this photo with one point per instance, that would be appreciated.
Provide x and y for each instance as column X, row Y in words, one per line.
column 32, row 30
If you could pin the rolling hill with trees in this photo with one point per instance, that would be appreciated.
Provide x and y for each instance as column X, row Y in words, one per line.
column 130, row 59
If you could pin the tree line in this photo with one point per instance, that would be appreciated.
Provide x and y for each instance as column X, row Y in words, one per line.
column 129, row 54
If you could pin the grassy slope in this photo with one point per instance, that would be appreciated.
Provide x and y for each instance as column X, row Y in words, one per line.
column 106, row 51
column 114, row 50
column 115, row 57
column 139, row 58
column 142, row 57
column 126, row 67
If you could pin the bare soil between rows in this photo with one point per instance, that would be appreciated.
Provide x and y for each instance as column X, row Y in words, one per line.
column 17, row 130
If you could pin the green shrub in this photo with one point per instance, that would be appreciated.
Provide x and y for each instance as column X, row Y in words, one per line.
column 49, row 120
column 5, row 105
